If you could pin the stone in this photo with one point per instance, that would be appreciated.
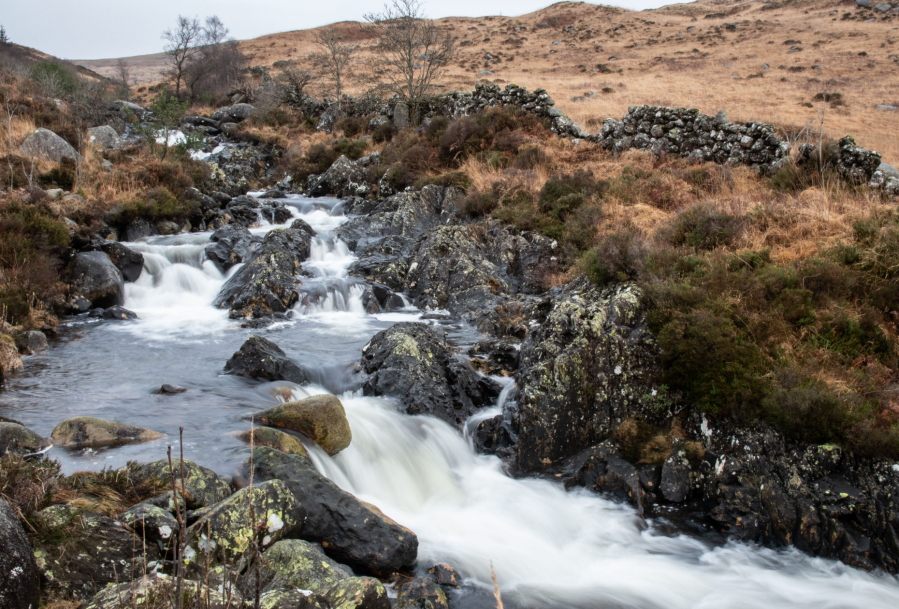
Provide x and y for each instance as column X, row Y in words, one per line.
column 421, row 592
column 145, row 592
column 43, row 143
column 273, row 438
column 883, row 7
column 151, row 523
column 33, row 341
column 350, row 531
column 171, row 389
column 118, row 312
column 887, row 107
column 104, row 137
column 410, row 362
column 340, row 175
column 358, row 593
column 204, row 487
column 292, row 599
column 321, row 418
column 166, row 227
column 230, row 245
column 601, row 470
column 445, row 574
column 128, row 261
column 95, row 278
column 79, row 432
column 888, row 170
column 401, row 116
column 19, row 577
column 18, row 439
column 675, row 485
column 260, row 358
column 140, row 229
column 126, row 108
column 292, row 564
column 864, row 3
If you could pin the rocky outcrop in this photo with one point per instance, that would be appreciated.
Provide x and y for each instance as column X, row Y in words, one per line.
column 602, row 470
column 17, row 439
column 45, row 144
column 343, row 178
column 230, row 245
column 410, row 362
column 95, row 278
column 260, row 358
column 268, row 284
column 144, row 592
column 350, row 531
column 237, row 169
column 273, row 438
column 321, row 418
column 19, row 577
column 292, row 564
column 129, row 262
column 589, row 365
column 79, row 432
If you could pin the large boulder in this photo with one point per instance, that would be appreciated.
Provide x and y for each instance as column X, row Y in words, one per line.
column 204, row 487
column 410, row 362
column 260, row 358
column 268, row 284
column 292, row 564
column 43, row 143
column 343, row 175
column 104, row 137
column 587, row 367
column 233, row 114
column 153, row 523
column 140, row 229
column 602, row 470
column 229, row 246
column 273, row 438
column 351, row 531
column 321, row 418
column 129, row 262
column 358, row 593
column 78, row 432
column 19, row 577
column 18, row 439
column 95, row 278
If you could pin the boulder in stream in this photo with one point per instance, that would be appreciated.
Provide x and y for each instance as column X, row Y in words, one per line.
column 273, row 438
column 18, row 439
column 78, row 432
column 321, row 418
column 230, row 245
column 19, row 577
column 421, row 592
column 260, row 358
column 94, row 277
column 128, row 261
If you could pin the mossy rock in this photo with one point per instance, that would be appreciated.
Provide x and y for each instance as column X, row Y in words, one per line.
column 358, row 593
column 153, row 592
column 17, row 439
column 204, row 486
column 292, row 599
column 321, row 418
column 88, row 431
column 421, row 593
column 295, row 564
column 274, row 438
column 151, row 523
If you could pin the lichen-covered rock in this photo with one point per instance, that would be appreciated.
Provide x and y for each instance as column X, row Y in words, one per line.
column 273, row 438
column 321, row 418
column 358, row 593
column 410, row 362
column 260, row 358
column 292, row 564
column 675, row 483
column 292, row 599
column 18, row 439
column 350, row 531
column 128, row 261
column 88, row 431
column 235, row 523
column 145, row 592
column 104, row 137
column 445, row 575
column 341, row 177
column 587, row 367
column 600, row 469
column 45, row 144
column 237, row 169
column 204, row 487
column 268, row 284
column 421, row 593
column 19, row 577
column 385, row 261
column 230, row 246
column 151, row 523
column 95, row 278
column 140, row 229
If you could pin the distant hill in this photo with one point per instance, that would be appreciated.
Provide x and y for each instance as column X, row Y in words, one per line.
column 12, row 54
column 143, row 68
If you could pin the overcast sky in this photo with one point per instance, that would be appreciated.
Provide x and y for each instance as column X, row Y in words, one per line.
column 99, row 29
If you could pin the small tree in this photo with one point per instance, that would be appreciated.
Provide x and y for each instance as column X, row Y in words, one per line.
column 180, row 47
column 411, row 53
column 4, row 39
column 334, row 59
column 291, row 83
column 167, row 111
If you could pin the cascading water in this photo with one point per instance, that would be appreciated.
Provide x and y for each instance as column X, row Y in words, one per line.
column 549, row 547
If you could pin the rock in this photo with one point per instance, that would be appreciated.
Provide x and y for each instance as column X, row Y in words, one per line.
column 337, row 179
column 259, row 358
column 421, row 592
column 104, row 137
column 204, row 487
column 32, row 341
column 118, row 313
column 864, row 3
column 273, row 438
column 128, row 261
column 230, row 245
column 166, row 227
column 401, row 116
column 321, row 418
column 501, row 356
column 95, row 278
column 126, row 108
column 171, row 389
column 292, row 599
column 886, row 107
column 585, row 369
column 139, row 229
column 78, row 432
column 18, row 439
column 883, row 7
column 43, row 143
column 19, row 577
column 888, row 170
column 152, row 523
column 601, row 470
column 276, row 213
column 146, row 592
column 358, row 593
column 268, row 283
column 292, row 564
column 410, row 362
column 445, row 574
column 240, row 112
column 276, row 511
column 350, row 531
column 274, row 193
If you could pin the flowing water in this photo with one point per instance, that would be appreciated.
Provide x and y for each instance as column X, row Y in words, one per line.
column 548, row 547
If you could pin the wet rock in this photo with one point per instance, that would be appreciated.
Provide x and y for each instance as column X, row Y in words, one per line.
column 500, row 356
column 292, row 564
column 410, row 362
column 19, row 578
column 146, row 592
column 585, row 369
column 675, row 484
column 17, row 439
column 152, row 523
column 129, row 262
column 167, row 227
column 88, row 431
column 139, row 229
column 96, row 279
column 117, row 313
column 358, row 593
column 497, row 435
column 171, row 389
column 230, row 246
column 243, row 211
column 600, row 469
column 238, row 169
column 421, row 592
column 268, row 284
column 350, row 531
column 32, row 341
column 259, row 358
column 292, row 599
column 275, row 509
column 275, row 214
column 273, row 438
column 45, row 144
column 204, row 487
column 343, row 175
column 321, row 418
column 302, row 225
column 385, row 261
column 445, row 575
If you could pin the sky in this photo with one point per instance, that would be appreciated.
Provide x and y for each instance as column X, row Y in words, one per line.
column 100, row 29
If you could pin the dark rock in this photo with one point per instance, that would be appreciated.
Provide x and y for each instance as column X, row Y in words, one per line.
column 18, row 439
column 204, row 486
column 139, row 229
column 31, row 341
column 421, row 592
column 259, row 358
column 230, row 245
column 292, row 564
column 675, row 485
column 445, row 574
column 95, row 278
column 350, row 531
column 302, row 225
column 600, row 469
column 119, row 313
column 129, row 262
column 275, row 214
column 171, row 389
column 273, row 194
column 650, row 478
column 409, row 361
column 152, row 523
column 385, row 261
column 501, row 356
column 19, row 577
column 343, row 175
column 88, row 431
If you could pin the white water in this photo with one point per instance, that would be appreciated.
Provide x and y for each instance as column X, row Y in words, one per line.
column 549, row 548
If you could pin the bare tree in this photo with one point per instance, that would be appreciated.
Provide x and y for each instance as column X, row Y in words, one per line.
column 292, row 82
column 411, row 52
column 217, row 62
column 123, row 73
column 334, row 59
column 181, row 45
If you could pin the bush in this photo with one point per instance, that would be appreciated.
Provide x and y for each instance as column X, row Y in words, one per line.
column 351, row 126
column 618, row 257
column 352, row 149
column 61, row 176
column 704, row 228
column 479, row 204
column 805, row 409
column 384, row 132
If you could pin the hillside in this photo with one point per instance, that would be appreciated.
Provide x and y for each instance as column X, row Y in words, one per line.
column 11, row 54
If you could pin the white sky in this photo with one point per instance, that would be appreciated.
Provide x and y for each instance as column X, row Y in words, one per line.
column 99, row 29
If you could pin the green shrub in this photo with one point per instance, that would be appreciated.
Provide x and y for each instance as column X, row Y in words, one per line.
column 618, row 257
column 384, row 132
column 805, row 409
column 704, row 228
column 352, row 149
column 479, row 204
column 351, row 126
